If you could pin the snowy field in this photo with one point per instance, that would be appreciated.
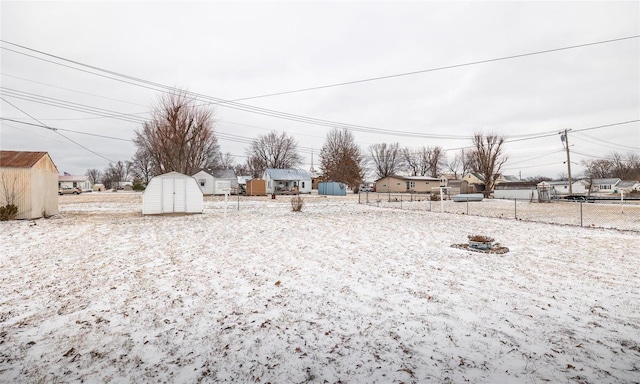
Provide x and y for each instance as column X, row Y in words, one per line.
column 338, row 293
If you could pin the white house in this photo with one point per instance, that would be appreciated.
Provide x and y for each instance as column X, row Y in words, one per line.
column 172, row 192
column 81, row 182
column 28, row 180
column 628, row 186
column 605, row 185
column 216, row 181
column 287, row 180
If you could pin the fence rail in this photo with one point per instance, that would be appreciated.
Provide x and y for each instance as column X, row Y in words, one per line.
column 624, row 215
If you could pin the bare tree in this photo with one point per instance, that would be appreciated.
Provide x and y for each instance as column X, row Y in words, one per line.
column 143, row 166
column 414, row 161
column 11, row 191
column 435, row 159
column 272, row 150
column 386, row 159
column 241, row 170
column 94, row 175
column 341, row 159
column 226, row 161
column 487, row 158
column 180, row 136
column 625, row 167
column 460, row 164
column 114, row 175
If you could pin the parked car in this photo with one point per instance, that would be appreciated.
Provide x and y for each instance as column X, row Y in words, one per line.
column 65, row 190
column 366, row 189
column 576, row 198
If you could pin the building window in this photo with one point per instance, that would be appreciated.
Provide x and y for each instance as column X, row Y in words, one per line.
column 302, row 184
column 202, row 182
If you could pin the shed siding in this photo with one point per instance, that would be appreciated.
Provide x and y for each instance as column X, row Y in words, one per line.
column 332, row 189
column 256, row 187
column 35, row 189
column 172, row 193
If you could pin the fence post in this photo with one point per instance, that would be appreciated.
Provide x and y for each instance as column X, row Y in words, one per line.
column 581, row 213
column 515, row 208
column 467, row 206
column 400, row 201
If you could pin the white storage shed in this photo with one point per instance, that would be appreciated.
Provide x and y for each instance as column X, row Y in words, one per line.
column 172, row 192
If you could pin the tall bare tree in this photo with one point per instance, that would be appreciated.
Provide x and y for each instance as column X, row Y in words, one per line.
column 143, row 166
column 273, row 150
column 341, row 159
column 487, row 158
column 386, row 159
column 94, row 175
column 180, row 135
column 414, row 161
column 625, row 167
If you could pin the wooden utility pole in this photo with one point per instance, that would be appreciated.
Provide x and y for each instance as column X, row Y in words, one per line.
column 564, row 137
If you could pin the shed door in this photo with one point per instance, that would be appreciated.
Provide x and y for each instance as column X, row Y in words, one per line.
column 174, row 195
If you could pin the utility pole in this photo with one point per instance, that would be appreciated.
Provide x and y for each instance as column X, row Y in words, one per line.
column 564, row 137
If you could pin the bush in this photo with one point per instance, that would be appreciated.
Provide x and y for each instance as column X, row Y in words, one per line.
column 296, row 203
column 8, row 212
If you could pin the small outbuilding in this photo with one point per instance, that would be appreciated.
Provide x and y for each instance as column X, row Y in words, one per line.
column 256, row 187
column 216, row 181
column 172, row 192
column 332, row 188
column 29, row 180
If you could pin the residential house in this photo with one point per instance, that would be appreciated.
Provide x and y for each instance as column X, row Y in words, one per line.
column 72, row 181
column 28, row 180
column 287, row 180
column 410, row 184
column 628, row 186
column 605, row 186
column 216, row 181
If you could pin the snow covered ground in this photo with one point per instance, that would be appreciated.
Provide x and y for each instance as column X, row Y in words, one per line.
column 340, row 292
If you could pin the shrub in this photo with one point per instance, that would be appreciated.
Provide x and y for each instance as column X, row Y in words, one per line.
column 481, row 238
column 8, row 212
column 296, row 203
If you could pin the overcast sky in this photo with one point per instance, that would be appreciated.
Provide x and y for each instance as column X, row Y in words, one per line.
column 239, row 50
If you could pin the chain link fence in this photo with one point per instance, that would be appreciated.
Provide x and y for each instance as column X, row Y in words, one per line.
column 624, row 215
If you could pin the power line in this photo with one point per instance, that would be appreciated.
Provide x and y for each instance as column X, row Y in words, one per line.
column 56, row 131
column 439, row 68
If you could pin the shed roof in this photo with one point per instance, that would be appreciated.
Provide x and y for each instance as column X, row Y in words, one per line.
column 288, row 174
column 20, row 159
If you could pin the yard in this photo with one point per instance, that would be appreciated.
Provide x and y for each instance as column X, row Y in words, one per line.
column 340, row 292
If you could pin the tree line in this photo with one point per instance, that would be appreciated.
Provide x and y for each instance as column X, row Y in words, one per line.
column 180, row 137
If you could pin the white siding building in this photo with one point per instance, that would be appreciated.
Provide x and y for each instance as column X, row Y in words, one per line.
column 287, row 180
column 29, row 180
column 216, row 181
column 172, row 192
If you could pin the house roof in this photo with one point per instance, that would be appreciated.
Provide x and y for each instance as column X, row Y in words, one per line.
column 72, row 178
column 511, row 178
column 611, row 181
column 627, row 183
column 20, row 159
column 220, row 173
column 415, row 178
column 288, row 174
